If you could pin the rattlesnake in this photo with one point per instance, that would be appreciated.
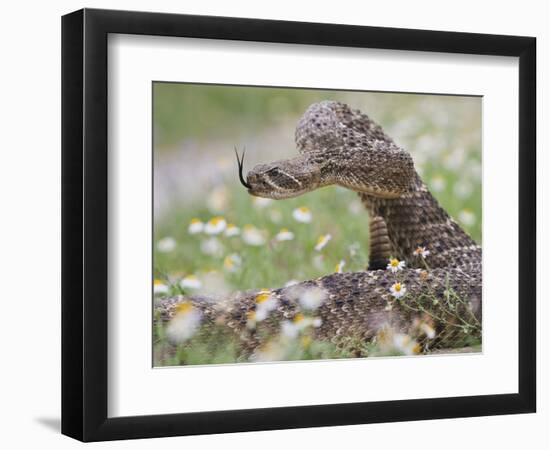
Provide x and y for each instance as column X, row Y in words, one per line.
column 344, row 147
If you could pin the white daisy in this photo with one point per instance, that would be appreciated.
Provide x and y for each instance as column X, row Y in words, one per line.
column 289, row 330
column 166, row 245
column 232, row 230
column 398, row 290
column 421, row 251
column 463, row 189
column 437, row 183
column 265, row 299
column 195, row 226
column 215, row 225
column 212, row 247
column 322, row 242
column 232, row 262
column 251, row 320
column 302, row 322
column 284, row 235
column 467, row 217
column 405, row 344
column 191, row 282
column 302, row 214
column 265, row 303
column 253, row 236
column 184, row 324
column 395, row 265
column 312, row 298
column 159, row 288
column 218, row 200
column 427, row 330
column 275, row 215
column 261, row 202
column 340, row 266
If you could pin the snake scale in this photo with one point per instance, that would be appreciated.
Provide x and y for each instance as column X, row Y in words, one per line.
column 341, row 146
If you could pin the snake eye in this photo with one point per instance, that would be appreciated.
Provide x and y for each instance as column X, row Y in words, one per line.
column 272, row 171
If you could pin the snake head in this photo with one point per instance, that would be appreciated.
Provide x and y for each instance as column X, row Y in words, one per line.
column 281, row 179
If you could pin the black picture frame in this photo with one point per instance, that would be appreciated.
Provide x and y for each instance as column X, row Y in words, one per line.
column 84, row 224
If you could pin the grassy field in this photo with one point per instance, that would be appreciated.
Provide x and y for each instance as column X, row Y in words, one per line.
column 444, row 139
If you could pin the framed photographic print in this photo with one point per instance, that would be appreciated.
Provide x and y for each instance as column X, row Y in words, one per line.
column 274, row 224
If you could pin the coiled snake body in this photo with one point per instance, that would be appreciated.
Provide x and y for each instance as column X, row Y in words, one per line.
column 341, row 146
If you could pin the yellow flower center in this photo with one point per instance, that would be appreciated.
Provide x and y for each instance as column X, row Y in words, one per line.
column 394, row 262
column 304, row 209
column 228, row 262
column 284, row 230
column 397, row 287
column 157, row 282
column 262, row 297
column 216, row 220
column 195, row 220
column 191, row 277
column 184, row 308
column 298, row 318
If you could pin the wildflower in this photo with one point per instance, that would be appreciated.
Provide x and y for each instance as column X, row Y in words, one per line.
column 301, row 322
column 395, row 265
column 215, row 225
column 437, row 183
column 284, row 235
column 340, row 266
column 467, row 217
column 265, row 303
column 253, row 236
column 218, row 200
column 232, row 230
column 214, row 285
column 302, row 214
column 191, row 282
column 261, row 202
column 427, row 330
column 289, row 330
column 251, row 319
column 305, row 342
column 232, row 262
column 421, row 251
column 212, row 247
column 166, row 245
column 354, row 249
column 312, row 298
column 270, row 351
column 195, row 226
column 398, row 290
column 391, row 342
column 275, row 215
column 159, row 288
column 463, row 189
column 184, row 324
column 405, row 344
column 322, row 241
